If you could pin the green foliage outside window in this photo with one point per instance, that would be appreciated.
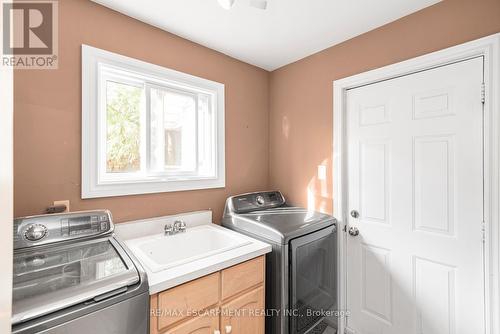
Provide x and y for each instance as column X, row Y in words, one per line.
column 123, row 105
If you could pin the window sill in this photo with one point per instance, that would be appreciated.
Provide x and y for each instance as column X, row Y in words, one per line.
column 142, row 187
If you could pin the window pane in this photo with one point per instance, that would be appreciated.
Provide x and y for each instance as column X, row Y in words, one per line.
column 173, row 131
column 123, row 107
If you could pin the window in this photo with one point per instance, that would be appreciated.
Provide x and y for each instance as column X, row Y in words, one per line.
column 147, row 129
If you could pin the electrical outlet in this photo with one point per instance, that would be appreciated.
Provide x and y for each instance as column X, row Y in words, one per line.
column 65, row 202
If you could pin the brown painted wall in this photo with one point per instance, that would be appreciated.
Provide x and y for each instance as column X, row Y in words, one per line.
column 47, row 113
column 293, row 105
column 301, row 94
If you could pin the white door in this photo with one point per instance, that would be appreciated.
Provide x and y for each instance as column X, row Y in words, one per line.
column 415, row 176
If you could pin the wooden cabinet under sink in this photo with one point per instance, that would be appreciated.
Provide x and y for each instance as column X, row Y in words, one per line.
column 230, row 301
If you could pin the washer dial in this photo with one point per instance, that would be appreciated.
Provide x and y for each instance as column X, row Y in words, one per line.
column 35, row 232
column 260, row 200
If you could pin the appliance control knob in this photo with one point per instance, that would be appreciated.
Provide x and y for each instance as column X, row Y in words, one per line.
column 260, row 200
column 35, row 232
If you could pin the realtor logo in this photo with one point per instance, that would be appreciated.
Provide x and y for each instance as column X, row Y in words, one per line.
column 30, row 34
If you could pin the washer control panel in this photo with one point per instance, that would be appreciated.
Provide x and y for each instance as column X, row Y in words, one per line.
column 44, row 229
column 257, row 201
column 84, row 225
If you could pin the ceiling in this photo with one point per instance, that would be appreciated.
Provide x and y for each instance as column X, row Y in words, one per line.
column 286, row 31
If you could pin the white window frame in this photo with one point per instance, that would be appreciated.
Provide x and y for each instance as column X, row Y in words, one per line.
column 93, row 184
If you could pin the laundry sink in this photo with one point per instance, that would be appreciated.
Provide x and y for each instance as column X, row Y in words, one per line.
column 161, row 252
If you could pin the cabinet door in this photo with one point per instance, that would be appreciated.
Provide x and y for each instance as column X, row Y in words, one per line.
column 199, row 325
column 177, row 303
column 241, row 277
column 245, row 314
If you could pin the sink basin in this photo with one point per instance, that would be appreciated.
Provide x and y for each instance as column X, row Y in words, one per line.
column 160, row 252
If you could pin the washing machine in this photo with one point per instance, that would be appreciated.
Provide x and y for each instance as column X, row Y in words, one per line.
column 301, row 270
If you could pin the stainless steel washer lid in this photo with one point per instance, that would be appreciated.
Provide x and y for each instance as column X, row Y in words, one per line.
column 48, row 279
column 279, row 224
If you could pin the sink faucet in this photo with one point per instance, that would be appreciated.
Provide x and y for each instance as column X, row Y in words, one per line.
column 177, row 227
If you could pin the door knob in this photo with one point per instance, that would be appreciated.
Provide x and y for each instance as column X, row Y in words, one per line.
column 229, row 329
column 353, row 231
column 354, row 214
column 216, row 331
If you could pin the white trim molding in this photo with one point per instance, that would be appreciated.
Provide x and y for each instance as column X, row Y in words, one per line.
column 100, row 66
column 489, row 48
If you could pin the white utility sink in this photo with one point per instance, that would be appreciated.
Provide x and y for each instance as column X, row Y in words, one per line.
column 160, row 252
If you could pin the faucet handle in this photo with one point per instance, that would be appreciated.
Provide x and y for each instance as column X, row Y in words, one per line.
column 168, row 228
column 180, row 225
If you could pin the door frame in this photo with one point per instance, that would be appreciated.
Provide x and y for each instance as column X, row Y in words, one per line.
column 6, row 190
column 489, row 48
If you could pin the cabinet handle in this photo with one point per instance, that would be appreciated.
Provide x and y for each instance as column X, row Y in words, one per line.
column 216, row 331
column 229, row 329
